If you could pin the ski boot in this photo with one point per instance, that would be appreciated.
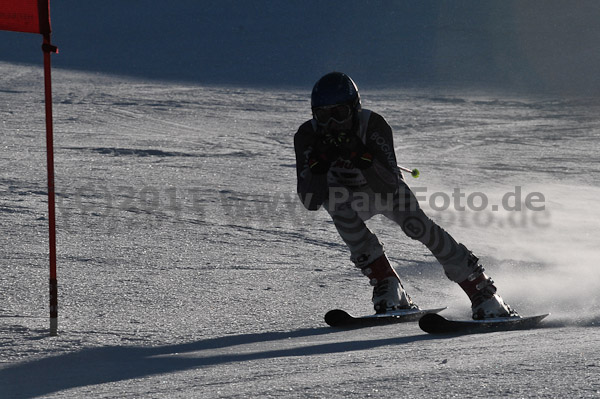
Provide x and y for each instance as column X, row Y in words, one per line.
column 388, row 292
column 485, row 303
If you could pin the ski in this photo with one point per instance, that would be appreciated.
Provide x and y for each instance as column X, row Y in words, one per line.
column 436, row 324
column 341, row 318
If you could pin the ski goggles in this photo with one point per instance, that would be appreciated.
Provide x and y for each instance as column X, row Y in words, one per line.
column 338, row 113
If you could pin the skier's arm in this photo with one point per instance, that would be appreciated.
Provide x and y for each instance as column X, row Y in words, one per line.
column 312, row 187
column 383, row 175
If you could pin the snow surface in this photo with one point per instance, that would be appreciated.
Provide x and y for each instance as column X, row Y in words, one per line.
column 188, row 268
column 549, row 46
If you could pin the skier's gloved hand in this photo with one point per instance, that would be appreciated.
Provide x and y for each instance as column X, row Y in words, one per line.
column 324, row 151
column 353, row 149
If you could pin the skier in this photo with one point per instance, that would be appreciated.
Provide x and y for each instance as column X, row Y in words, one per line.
column 346, row 163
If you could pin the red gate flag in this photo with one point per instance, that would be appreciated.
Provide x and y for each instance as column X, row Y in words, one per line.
column 31, row 16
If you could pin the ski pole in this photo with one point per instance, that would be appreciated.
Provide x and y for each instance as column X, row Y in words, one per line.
column 413, row 172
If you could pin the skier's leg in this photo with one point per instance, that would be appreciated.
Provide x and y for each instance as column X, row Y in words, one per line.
column 460, row 265
column 368, row 255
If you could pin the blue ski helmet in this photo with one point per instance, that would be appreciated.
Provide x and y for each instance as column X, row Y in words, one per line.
column 333, row 89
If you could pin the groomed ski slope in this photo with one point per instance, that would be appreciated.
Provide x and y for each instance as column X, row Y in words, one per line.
column 187, row 267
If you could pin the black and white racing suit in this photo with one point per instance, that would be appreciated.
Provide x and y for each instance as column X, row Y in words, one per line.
column 351, row 196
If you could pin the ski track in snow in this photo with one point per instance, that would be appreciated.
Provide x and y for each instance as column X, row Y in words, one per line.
column 187, row 267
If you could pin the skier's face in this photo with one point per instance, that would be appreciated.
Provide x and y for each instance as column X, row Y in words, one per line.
column 335, row 118
column 333, row 126
column 333, row 115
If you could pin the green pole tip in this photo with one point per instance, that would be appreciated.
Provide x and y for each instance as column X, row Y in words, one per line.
column 415, row 173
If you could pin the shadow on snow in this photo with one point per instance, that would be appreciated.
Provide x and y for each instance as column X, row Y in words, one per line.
column 117, row 363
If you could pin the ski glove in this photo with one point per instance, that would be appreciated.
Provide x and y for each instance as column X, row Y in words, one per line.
column 353, row 149
column 324, row 151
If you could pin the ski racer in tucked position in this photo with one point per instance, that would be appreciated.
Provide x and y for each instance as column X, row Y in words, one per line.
column 346, row 163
